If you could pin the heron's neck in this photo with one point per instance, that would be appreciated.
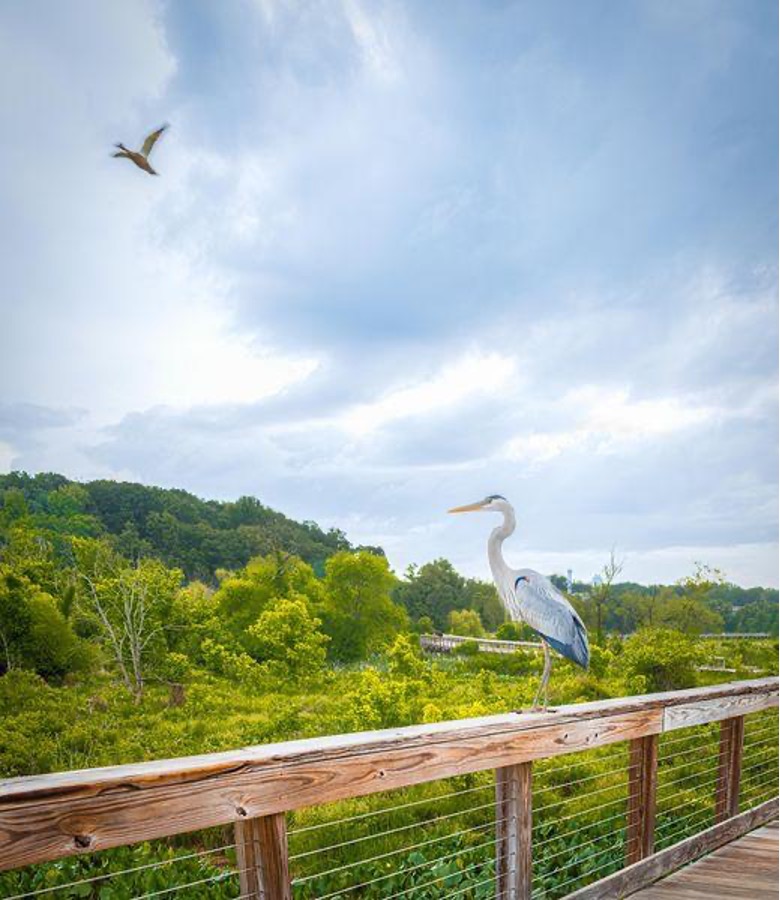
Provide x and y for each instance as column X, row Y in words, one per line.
column 497, row 537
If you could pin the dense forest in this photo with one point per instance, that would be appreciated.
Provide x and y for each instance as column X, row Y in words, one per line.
column 146, row 580
column 140, row 623
column 197, row 536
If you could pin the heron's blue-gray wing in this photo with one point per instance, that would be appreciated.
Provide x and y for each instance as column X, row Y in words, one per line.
column 550, row 614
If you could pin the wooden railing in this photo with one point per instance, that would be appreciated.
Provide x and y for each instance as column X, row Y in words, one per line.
column 448, row 643
column 48, row 817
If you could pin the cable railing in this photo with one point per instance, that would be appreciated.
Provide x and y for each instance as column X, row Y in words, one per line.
column 535, row 806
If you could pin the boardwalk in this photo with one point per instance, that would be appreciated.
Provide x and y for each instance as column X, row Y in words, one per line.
column 745, row 869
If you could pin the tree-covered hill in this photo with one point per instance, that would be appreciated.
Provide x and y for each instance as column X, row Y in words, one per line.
column 197, row 536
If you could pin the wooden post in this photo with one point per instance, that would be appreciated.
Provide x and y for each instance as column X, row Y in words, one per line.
column 642, row 782
column 732, row 736
column 261, row 850
column 513, row 832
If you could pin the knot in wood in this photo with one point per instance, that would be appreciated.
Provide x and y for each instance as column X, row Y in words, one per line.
column 82, row 840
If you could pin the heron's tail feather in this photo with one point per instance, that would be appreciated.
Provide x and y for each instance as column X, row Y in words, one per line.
column 577, row 650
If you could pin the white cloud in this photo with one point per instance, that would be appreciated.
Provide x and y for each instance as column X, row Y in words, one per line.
column 609, row 420
column 373, row 39
column 475, row 374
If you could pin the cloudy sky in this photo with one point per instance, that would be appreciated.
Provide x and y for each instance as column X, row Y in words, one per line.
column 401, row 255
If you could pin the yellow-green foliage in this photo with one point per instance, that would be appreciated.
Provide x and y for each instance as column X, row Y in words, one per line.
column 665, row 659
column 466, row 622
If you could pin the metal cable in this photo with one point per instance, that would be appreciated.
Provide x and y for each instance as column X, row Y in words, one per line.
column 609, row 787
column 558, row 887
column 670, row 742
column 697, row 812
column 671, row 809
column 760, row 729
column 751, row 740
column 600, row 837
column 389, row 809
column 699, row 774
column 106, row 875
column 369, row 859
column 576, row 862
column 419, row 887
column 589, row 809
column 471, row 887
column 575, row 763
column 679, row 831
column 557, row 787
column 381, row 834
column 180, row 887
column 558, row 837
column 492, row 842
column 759, row 764
column 684, row 753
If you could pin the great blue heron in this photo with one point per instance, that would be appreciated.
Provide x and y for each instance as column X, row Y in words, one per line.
column 141, row 158
column 530, row 597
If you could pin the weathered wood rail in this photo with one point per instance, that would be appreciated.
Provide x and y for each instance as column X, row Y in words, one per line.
column 47, row 817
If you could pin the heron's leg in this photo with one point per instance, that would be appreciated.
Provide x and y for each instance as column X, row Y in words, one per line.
column 542, row 691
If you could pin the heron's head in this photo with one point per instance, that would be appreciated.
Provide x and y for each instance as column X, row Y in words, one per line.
column 491, row 503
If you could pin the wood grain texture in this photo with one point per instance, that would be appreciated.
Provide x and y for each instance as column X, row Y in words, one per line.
column 745, row 869
column 716, row 709
column 513, row 832
column 633, row 878
column 732, row 738
column 40, row 827
column 50, row 816
column 263, row 864
column 733, row 872
column 642, row 784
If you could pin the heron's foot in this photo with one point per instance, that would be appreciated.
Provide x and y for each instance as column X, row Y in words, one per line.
column 536, row 708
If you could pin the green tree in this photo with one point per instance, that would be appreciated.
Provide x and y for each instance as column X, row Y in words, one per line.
column 759, row 616
column 687, row 609
column 287, row 638
column 358, row 613
column 244, row 595
column 515, row 631
column 466, row 622
column 404, row 659
column 484, row 599
column 424, row 625
column 433, row 590
column 34, row 634
column 665, row 660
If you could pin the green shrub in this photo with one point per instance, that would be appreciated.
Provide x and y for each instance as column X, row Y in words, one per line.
column 666, row 659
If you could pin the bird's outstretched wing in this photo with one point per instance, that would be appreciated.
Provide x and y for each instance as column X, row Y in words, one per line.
column 151, row 140
column 548, row 612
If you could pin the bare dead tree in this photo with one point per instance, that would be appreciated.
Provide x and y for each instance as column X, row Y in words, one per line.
column 120, row 597
column 603, row 591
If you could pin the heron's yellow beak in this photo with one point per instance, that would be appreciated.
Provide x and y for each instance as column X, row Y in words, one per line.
column 469, row 507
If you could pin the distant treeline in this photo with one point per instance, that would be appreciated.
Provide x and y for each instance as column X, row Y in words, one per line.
column 200, row 537
column 205, row 540
column 729, row 608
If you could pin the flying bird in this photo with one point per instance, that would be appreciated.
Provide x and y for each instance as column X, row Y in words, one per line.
column 141, row 157
column 531, row 598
